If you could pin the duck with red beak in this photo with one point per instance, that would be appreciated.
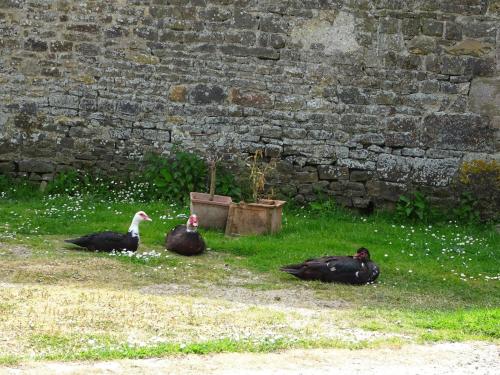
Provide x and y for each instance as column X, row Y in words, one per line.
column 357, row 269
column 185, row 239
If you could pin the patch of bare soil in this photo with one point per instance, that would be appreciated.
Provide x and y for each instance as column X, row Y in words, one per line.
column 237, row 287
column 297, row 297
column 17, row 251
column 448, row 358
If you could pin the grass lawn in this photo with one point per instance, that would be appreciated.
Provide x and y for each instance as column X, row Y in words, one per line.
column 438, row 282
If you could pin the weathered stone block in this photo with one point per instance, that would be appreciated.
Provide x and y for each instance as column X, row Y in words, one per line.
column 88, row 49
column 462, row 132
column 422, row 45
column 7, row 167
column 360, row 176
column 388, row 25
column 203, row 94
column 430, row 87
column 384, row 190
column 485, row 96
column 35, row 177
column 289, row 103
column 156, row 135
column 403, row 123
column 243, row 19
column 143, row 58
column 434, row 172
column 432, row 27
column 483, row 67
column 470, row 47
column 480, row 29
column 61, row 46
column 178, row 93
column 410, row 26
column 452, row 31
column 294, row 133
column 272, row 24
column 332, row 33
column 357, row 164
column 275, row 41
column 306, row 176
column 146, row 33
column 455, row 65
column 250, row 99
column 272, row 151
column 393, row 168
column 360, row 202
column 115, row 32
column 215, row 14
column 84, row 28
column 122, row 134
column 344, row 201
column 400, row 139
column 88, row 105
column 247, row 38
column 259, row 52
column 433, row 153
column 36, row 166
column 369, row 139
column 360, row 154
column 64, row 101
column 35, row 45
column 354, row 189
column 352, row 95
column 333, row 172
column 415, row 152
column 129, row 108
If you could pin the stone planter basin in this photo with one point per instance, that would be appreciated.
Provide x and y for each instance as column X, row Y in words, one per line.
column 263, row 217
column 212, row 214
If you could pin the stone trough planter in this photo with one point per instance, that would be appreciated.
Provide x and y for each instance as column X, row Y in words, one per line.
column 212, row 213
column 263, row 217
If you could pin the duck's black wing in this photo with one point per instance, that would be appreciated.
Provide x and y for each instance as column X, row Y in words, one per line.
column 312, row 269
column 373, row 271
column 107, row 241
column 185, row 243
column 344, row 269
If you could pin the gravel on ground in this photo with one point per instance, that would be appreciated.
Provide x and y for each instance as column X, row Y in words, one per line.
column 469, row 358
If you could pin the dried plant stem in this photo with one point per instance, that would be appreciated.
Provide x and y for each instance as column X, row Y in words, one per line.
column 212, row 179
column 258, row 173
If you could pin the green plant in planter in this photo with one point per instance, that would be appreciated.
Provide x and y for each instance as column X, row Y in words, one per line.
column 416, row 207
column 174, row 178
column 227, row 185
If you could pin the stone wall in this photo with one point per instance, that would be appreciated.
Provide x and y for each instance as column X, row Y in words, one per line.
column 359, row 99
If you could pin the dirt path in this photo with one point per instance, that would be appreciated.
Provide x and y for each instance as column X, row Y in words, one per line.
column 450, row 358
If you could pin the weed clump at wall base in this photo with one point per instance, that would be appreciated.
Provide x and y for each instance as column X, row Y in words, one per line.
column 175, row 177
column 170, row 179
column 479, row 188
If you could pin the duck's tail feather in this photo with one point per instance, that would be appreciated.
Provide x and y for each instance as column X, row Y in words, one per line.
column 293, row 269
column 81, row 241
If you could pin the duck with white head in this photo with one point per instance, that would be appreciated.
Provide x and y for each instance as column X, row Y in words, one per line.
column 109, row 241
column 185, row 239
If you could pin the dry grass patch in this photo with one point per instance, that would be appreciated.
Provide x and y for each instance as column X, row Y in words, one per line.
column 87, row 270
column 53, row 320
column 50, row 262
